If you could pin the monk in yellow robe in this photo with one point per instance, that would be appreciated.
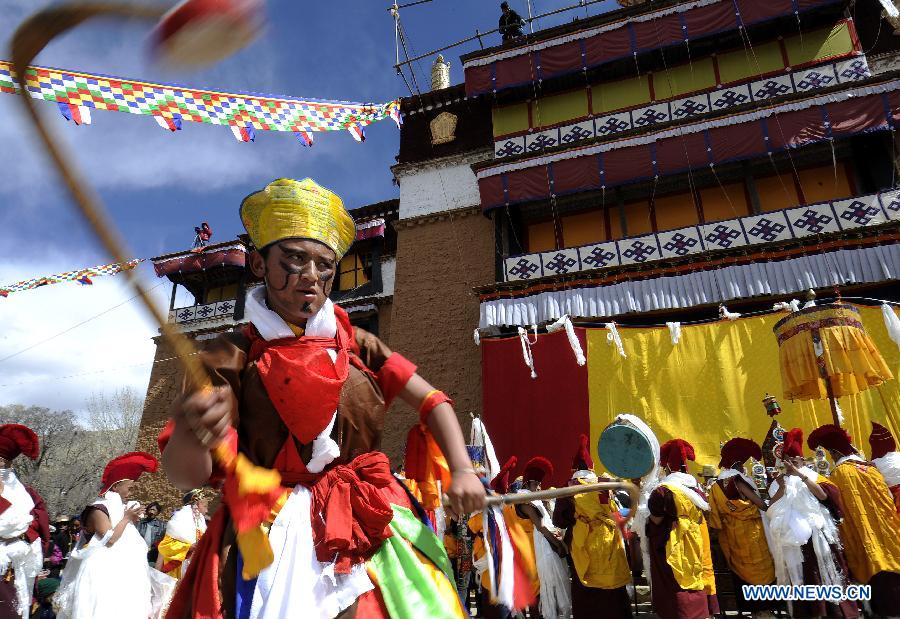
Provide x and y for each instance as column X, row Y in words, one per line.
column 870, row 530
column 736, row 513
column 184, row 529
column 681, row 576
column 597, row 558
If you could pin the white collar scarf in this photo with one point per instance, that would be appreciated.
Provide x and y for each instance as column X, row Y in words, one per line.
column 688, row 485
column 889, row 465
column 729, row 473
column 271, row 326
column 850, row 458
column 16, row 519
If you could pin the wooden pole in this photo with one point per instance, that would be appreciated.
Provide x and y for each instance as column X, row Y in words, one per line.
column 515, row 498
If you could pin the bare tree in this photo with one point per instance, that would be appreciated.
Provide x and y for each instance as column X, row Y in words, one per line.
column 116, row 418
column 72, row 456
column 67, row 470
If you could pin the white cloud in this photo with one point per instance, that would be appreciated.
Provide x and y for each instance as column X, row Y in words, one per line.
column 113, row 348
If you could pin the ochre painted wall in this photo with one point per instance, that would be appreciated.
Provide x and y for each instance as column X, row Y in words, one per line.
column 435, row 311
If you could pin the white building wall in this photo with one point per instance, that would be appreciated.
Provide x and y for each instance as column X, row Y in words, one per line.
column 438, row 186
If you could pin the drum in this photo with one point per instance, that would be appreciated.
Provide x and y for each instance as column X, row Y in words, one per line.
column 626, row 450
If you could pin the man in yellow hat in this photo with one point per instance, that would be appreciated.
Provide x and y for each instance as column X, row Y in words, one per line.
column 301, row 391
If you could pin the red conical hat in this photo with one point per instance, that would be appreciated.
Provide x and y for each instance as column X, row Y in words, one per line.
column 500, row 483
column 675, row 454
column 582, row 460
column 127, row 466
column 17, row 439
column 738, row 451
column 537, row 469
column 793, row 444
column 831, row 437
column 881, row 440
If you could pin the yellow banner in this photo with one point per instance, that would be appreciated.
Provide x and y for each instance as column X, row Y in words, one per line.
column 709, row 387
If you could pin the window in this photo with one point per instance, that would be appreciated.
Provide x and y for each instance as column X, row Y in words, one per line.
column 776, row 192
column 824, row 183
column 637, row 218
column 724, row 202
column 221, row 293
column 583, row 228
column 541, row 236
column 353, row 271
column 675, row 211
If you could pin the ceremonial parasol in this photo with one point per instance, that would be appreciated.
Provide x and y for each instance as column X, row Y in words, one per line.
column 825, row 353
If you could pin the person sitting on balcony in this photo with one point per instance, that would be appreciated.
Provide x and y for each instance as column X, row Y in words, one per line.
column 510, row 23
column 203, row 234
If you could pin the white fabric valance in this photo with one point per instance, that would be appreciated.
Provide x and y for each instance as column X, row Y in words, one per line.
column 837, row 268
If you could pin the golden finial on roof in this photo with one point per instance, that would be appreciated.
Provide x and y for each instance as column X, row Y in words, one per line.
column 440, row 73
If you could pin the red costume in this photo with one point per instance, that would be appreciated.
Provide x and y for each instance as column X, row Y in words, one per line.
column 21, row 542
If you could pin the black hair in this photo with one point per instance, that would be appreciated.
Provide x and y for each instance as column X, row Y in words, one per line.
column 155, row 504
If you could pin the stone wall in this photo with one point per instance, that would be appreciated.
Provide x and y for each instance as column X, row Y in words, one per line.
column 440, row 258
column 164, row 386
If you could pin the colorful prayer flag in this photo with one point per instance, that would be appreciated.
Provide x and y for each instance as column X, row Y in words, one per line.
column 305, row 138
column 78, row 114
column 244, row 133
column 357, row 131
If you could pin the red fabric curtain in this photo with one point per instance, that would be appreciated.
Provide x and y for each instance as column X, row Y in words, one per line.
column 544, row 416
column 793, row 129
column 849, row 117
column 753, row 11
column 681, row 152
column 478, row 80
column 491, row 190
column 575, row 174
column 528, row 184
column 627, row 164
column 516, row 70
column 710, row 18
column 737, row 141
column 560, row 59
column 607, row 46
column 660, row 32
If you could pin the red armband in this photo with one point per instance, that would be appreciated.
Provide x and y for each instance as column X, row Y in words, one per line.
column 393, row 376
column 432, row 400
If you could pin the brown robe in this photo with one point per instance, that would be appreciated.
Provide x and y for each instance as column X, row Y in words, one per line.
column 811, row 576
column 589, row 601
column 670, row 601
column 262, row 433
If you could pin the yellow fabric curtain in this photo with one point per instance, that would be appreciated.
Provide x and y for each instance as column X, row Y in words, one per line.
column 709, row 387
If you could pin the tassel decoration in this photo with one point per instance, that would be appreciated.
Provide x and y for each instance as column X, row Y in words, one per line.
column 564, row 322
column 613, row 337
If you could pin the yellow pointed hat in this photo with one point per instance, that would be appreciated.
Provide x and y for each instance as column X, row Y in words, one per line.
column 288, row 209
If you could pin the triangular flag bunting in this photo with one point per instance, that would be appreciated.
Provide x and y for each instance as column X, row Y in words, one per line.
column 4, row 293
column 305, row 137
column 172, row 124
column 244, row 133
column 357, row 131
column 394, row 113
column 84, row 280
column 78, row 114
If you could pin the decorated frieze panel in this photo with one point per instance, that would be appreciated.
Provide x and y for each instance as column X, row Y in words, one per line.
column 759, row 229
column 685, row 108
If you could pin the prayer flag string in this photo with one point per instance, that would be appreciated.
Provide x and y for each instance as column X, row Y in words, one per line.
column 82, row 276
column 76, row 93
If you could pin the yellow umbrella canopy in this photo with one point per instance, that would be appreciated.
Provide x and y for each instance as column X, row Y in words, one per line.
column 825, row 353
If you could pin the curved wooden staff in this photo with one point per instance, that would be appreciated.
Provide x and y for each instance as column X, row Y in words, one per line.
column 30, row 38
column 498, row 500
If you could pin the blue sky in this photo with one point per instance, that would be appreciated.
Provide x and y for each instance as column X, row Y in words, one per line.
column 158, row 185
